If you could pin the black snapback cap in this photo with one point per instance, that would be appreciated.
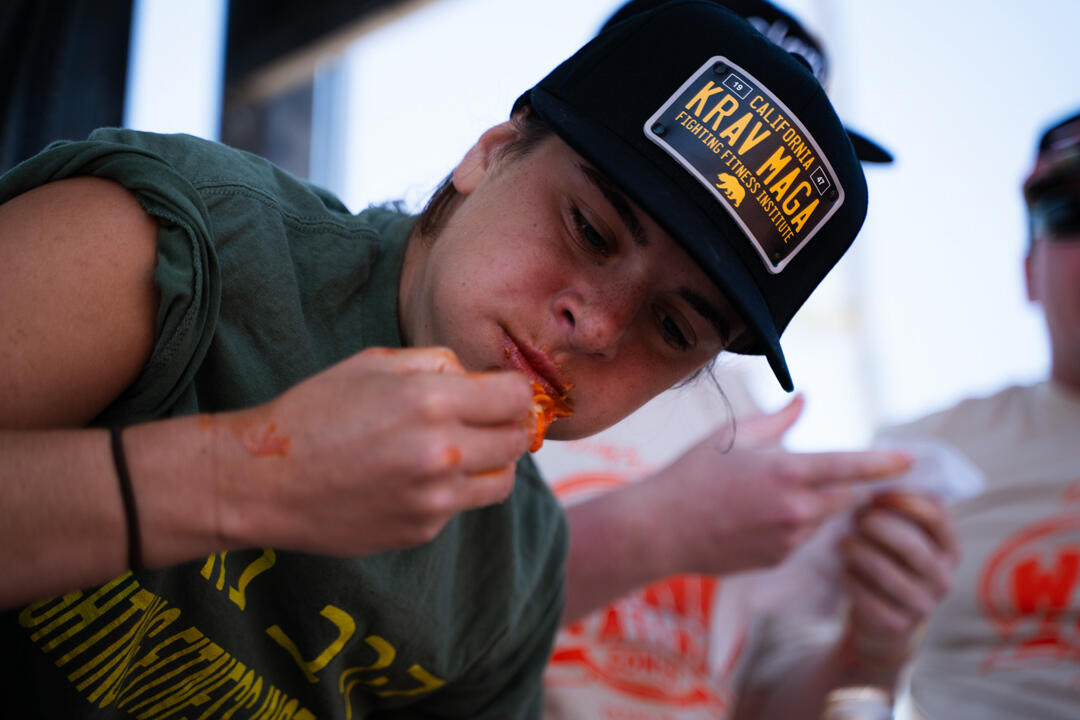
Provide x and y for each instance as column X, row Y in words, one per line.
column 728, row 142
column 785, row 30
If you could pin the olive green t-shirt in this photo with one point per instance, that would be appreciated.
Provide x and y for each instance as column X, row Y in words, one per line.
column 265, row 280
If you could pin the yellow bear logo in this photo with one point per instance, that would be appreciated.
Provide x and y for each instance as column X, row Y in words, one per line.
column 733, row 189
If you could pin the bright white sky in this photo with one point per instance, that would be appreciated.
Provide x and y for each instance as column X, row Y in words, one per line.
column 928, row 307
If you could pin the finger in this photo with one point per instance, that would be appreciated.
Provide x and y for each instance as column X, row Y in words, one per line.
column 768, row 428
column 908, row 545
column 481, row 449
column 487, row 487
column 927, row 511
column 875, row 614
column 893, row 583
column 479, row 399
column 412, row 360
column 494, row 397
column 845, row 468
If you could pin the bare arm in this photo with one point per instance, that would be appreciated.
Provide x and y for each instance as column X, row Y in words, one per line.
column 66, row 526
column 79, row 303
column 77, row 258
column 617, row 544
column 309, row 470
column 713, row 511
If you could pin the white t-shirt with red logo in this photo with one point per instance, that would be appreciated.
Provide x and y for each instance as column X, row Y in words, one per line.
column 657, row 653
column 1005, row 643
column 676, row 649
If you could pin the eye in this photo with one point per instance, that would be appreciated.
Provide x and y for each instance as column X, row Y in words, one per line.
column 670, row 329
column 589, row 236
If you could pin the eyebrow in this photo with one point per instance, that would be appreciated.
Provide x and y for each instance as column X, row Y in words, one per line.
column 708, row 311
column 618, row 201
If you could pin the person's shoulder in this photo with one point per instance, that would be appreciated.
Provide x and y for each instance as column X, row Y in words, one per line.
column 974, row 415
column 217, row 168
column 175, row 148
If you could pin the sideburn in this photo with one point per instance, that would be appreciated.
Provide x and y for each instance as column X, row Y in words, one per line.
column 439, row 208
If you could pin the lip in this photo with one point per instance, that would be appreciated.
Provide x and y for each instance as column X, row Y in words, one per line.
column 532, row 362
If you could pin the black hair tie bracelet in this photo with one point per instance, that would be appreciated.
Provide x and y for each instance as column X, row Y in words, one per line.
column 130, row 514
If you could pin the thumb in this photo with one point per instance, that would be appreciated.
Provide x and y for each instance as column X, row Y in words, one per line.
column 768, row 428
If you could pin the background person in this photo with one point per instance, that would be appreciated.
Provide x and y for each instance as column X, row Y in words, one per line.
column 307, row 448
column 1005, row 642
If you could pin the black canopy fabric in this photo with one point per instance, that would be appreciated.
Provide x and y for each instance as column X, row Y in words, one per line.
column 65, row 61
column 65, row 67
column 263, row 31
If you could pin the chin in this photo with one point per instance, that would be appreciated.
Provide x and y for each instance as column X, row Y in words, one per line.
column 569, row 430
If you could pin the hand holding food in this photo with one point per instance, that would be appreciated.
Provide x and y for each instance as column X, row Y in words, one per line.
column 899, row 562
column 378, row 452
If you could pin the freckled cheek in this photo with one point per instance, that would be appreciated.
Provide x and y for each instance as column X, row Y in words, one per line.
column 522, row 273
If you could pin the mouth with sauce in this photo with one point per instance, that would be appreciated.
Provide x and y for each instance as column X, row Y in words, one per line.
column 549, row 391
column 533, row 363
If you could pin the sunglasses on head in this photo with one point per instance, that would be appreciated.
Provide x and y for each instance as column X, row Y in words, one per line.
column 1055, row 216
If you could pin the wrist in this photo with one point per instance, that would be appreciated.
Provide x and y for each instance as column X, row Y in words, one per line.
column 127, row 497
column 237, row 505
column 872, row 652
column 176, row 471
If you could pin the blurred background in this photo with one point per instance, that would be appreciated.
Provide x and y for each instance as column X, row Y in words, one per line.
column 378, row 99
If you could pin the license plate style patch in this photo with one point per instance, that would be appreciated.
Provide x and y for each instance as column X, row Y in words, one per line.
column 753, row 154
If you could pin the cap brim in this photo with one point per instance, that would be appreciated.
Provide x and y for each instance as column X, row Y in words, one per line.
column 866, row 149
column 676, row 212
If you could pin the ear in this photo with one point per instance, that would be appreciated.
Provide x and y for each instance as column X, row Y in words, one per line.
column 1030, row 279
column 481, row 157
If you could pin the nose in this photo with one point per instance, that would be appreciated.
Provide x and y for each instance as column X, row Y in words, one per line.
column 595, row 322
